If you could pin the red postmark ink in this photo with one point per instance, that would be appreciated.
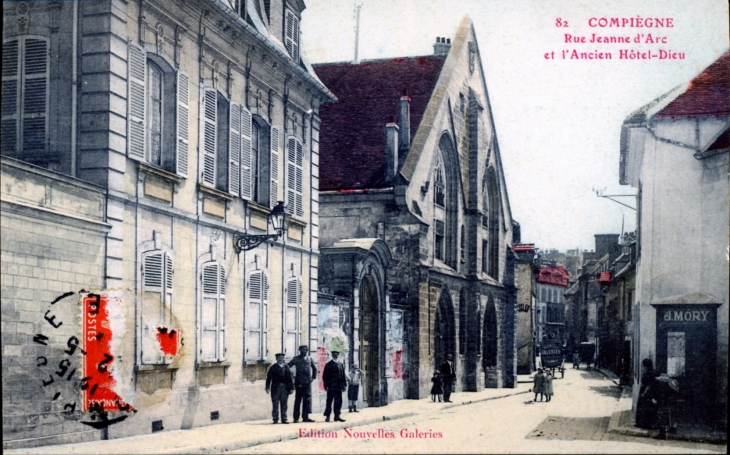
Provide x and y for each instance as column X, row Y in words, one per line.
column 98, row 382
column 168, row 340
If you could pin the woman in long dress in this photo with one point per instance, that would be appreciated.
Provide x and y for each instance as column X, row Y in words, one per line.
column 538, row 384
column 548, row 386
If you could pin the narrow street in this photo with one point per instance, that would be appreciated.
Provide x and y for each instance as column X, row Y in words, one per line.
column 575, row 421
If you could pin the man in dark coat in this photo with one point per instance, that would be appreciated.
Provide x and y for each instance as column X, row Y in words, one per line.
column 306, row 372
column 280, row 383
column 448, row 376
column 335, row 382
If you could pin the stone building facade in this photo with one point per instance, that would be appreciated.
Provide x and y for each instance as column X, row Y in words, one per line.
column 680, row 310
column 194, row 118
column 410, row 159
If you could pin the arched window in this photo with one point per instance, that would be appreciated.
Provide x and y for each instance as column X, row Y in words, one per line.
column 446, row 203
column 492, row 213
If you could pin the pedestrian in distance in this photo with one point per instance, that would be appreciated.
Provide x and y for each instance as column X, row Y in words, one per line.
column 448, row 377
column 576, row 360
column 646, row 408
column 538, row 384
column 353, row 387
column 305, row 373
column 335, row 382
column 548, row 385
column 280, row 384
column 437, row 391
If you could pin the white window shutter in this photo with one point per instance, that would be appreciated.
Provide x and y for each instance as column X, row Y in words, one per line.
column 137, row 67
column 246, row 181
column 209, row 316
column 222, row 313
column 10, row 95
column 265, row 316
column 299, row 182
column 291, row 179
column 295, row 39
column 183, row 111
column 292, row 323
column 274, row 167
column 254, row 323
column 152, row 308
column 209, row 110
column 289, row 32
column 234, row 152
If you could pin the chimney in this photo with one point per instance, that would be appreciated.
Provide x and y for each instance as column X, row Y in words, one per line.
column 405, row 122
column 391, row 151
column 442, row 46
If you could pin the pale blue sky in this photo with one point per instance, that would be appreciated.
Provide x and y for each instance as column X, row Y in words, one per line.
column 558, row 121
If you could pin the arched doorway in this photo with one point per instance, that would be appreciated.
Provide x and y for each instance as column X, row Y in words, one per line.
column 445, row 330
column 369, row 341
column 489, row 351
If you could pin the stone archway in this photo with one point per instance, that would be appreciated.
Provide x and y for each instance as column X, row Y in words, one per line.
column 444, row 330
column 489, row 340
column 370, row 341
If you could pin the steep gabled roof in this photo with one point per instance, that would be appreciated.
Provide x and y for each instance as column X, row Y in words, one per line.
column 352, row 131
column 707, row 95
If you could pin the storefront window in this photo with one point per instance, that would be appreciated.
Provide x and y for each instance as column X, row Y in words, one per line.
column 675, row 353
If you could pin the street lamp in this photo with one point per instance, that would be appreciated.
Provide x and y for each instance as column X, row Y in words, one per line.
column 245, row 242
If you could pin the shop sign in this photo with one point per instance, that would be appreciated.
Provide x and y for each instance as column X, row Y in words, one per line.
column 686, row 315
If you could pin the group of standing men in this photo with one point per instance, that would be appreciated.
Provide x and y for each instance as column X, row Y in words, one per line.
column 280, row 383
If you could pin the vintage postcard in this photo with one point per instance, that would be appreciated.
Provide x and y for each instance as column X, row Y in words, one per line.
column 365, row 226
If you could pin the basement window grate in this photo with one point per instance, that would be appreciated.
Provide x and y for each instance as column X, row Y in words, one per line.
column 157, row 426
column 214, row 415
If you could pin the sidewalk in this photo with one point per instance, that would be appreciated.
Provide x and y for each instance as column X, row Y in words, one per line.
column 233, row 436
column 622, row 422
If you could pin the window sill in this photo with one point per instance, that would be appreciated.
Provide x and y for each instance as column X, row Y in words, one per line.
column 208, row 191
column 298, row 222
column 155, row 367
column 203, row 365
column 161, row 173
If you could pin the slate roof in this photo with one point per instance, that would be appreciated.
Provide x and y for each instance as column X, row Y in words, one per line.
column 352, row 131
column 707, row 95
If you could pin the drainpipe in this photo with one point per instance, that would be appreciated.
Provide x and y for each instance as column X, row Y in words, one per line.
column 74, row 84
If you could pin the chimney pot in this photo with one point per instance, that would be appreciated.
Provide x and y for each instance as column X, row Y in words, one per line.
column 391, row 151
column 405, row 122
column 442, row 46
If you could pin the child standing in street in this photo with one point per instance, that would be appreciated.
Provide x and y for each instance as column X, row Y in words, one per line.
column 353, row 387
column 548, row 386
column 538, row 384
column 437, row 390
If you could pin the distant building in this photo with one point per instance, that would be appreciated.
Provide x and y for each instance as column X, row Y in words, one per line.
column 551, row 283
column 525, row 332
column 674, row 151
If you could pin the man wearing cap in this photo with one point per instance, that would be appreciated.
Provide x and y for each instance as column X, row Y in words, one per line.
column 335, row 382
column 280, row 383
column 306, row 372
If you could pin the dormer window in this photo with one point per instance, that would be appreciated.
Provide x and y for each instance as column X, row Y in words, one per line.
column 291, row 34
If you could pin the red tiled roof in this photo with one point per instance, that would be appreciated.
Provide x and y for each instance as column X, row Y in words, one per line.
column 352, row 132
column 557, row 275
column 707, row 95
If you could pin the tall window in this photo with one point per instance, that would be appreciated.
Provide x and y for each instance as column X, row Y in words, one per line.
column 156, row 308
column 257, row 316
column 212, row 312
column 25, row 96
column 255, row 162
column 157, row 112
column 439, row 243
column 294, row 177
column 438, row 185
column 485, row 255
column 291, row 35
column 293, row 317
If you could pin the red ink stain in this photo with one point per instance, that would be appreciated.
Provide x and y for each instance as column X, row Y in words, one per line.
column 168, row 340
column 98, row 383
column 321, row 362
column 398, row 365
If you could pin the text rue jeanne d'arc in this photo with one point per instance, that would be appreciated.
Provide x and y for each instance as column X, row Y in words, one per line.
column 617, row 38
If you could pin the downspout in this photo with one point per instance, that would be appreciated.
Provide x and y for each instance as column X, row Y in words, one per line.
column 74, row 83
